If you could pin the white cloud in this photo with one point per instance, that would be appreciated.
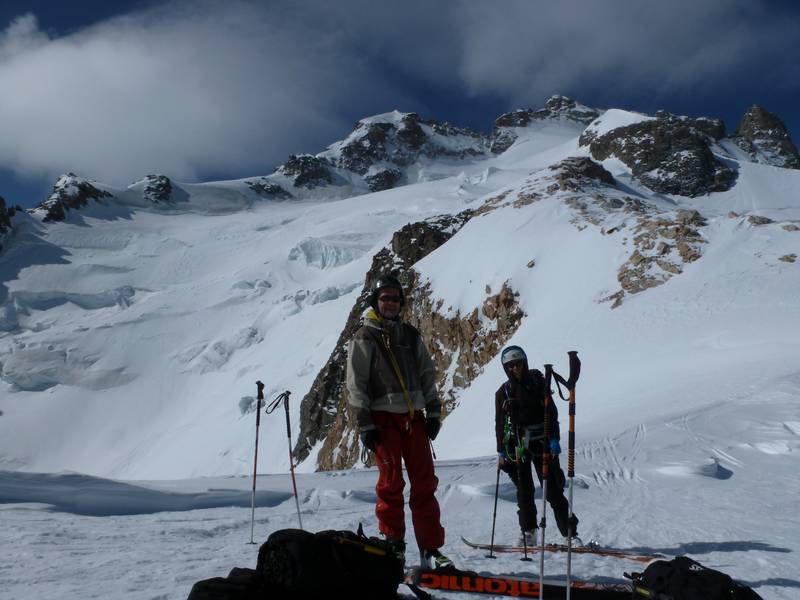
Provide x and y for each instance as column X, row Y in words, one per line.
column 21, row 35
column 175, row 91
column 191, row 88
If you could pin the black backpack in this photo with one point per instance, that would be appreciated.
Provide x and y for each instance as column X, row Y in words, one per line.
column 331, row 563
column 685, row 579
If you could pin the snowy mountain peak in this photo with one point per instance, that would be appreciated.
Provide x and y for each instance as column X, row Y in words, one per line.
column 382, row 148
column 557, row 108
column 156, row 189
column 764, row 137
column 69, row 192
column 382, row 152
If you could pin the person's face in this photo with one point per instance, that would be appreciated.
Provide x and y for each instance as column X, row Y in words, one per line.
column 389, row 302
column 516, row 368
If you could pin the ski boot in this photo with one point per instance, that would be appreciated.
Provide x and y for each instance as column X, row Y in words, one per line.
column 433, row 559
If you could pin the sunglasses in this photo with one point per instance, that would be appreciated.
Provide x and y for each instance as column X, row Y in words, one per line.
column 516, row 364
column 387, row 298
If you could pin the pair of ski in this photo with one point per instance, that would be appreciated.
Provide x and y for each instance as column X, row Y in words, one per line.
column 454, row 580
column 590, row 549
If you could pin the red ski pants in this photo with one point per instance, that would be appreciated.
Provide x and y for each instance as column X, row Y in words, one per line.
column 403, row 440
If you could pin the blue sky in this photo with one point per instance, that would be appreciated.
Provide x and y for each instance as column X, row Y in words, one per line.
column 201, row 90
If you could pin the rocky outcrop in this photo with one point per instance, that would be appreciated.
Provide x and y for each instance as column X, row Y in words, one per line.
column 267, row 189
column 307, row 171
column 556, row 108
column 70, row 192
column 384, row 179
column 663, row 244
column 462, row 344
column 759, row 220
column 5, row 222
column 668, row 154
column 324, row 412
column 365, row 146
column 381, row 146
column 5, row 218
column 573, row 172
column 663, row 241
column 157, row 189
column 766, row 140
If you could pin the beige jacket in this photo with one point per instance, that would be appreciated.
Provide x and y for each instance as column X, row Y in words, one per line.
column 372, row 381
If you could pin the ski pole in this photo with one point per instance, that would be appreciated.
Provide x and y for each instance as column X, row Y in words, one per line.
column 271, row 408
column 574, row 373
column 291, row 458
column 260, row 399
column 548, row 374
column 494, row 515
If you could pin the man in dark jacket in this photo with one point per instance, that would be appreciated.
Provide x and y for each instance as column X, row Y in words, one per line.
column 391, row 384
column 519, row 423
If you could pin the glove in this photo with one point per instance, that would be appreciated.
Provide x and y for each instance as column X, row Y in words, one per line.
column 370, row 437
column 432, row 426
column 502, row 458
column 505, row 463
column 555, row 447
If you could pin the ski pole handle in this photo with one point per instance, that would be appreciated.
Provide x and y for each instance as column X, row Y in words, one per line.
column 574, row 368
column 574, row 373
column 260, row 398
column 286, row 406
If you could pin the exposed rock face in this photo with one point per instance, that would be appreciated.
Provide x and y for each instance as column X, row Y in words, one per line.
column 367, row 148
column 759, row 220
column 5, row 218
column 765, row 138
column 556, row 108
column 572, row 173
column 467, row 341
column 267, row 189
column 158, row 189
column 670, row 155
column 663, row 243
column 69, row 192
column 380, row 147
column 385, row 179
column 307, row 171
column 324, row 412
column 5, row 221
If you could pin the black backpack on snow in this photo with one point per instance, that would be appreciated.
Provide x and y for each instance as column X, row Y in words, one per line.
column 331, row 563
column 685, row 579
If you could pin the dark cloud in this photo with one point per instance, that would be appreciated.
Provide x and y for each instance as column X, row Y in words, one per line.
column 192, row 88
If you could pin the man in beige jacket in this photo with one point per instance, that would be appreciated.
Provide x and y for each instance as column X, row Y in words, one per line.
column 391, row 383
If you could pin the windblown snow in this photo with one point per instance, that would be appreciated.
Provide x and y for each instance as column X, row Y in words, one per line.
column 131, row 338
